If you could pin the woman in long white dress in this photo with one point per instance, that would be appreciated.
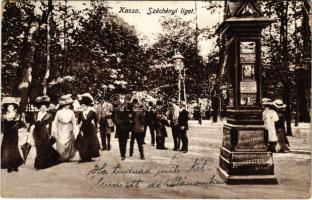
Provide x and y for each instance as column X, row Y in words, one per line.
column 63, row 128
column 270, row 117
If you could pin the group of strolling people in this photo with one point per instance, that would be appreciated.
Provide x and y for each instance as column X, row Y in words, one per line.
column 274, row 122
column 59, row 135
column 72, row 131
column 137, row 115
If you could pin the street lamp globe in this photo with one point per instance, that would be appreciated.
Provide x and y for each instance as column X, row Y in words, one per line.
column 178, row 61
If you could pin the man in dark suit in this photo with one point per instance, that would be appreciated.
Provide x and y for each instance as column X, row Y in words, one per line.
column 215, row 108
column 150, row 121
column 122, row 118
column 173, row 115
column 183, row 127
column 137, row 131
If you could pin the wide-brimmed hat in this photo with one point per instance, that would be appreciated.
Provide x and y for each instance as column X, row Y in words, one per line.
column 279, row 103
column 66, row 99
column 15, row 101
column 42, row 100
column 266, row 101
column 86, row 99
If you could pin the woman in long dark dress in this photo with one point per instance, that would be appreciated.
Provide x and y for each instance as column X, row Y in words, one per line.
column 46, row 156
column 10, row 156
column 88, row 125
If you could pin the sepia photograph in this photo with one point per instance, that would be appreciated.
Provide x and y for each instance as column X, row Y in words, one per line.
column 156, row 99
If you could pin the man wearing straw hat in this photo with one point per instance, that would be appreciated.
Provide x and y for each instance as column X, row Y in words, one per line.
column 104, row 112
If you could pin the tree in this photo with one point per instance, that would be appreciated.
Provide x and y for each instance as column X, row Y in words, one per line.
column 178, row 35
column 284, row 54
column 110, row 55
column 112, row 50
column 20, row 18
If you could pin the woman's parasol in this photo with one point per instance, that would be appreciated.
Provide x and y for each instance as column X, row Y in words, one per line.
column 26, row 149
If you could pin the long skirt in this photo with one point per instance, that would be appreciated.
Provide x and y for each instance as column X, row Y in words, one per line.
column 10, row 155
column 281, row 145
column 66, row 149
column 87, row 143
column 46, row 155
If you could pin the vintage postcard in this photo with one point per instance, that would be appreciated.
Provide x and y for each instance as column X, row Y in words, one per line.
column 156, row 99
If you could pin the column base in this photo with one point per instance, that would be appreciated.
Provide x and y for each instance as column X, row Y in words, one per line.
column 244, row 157
column 247, row 179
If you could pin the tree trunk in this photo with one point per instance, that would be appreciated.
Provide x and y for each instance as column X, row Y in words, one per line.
column 47, row 74
column 297, row 47
column 288, row 108
column 297, row 99
column 65, row 41
column 25, row 56
column 37, row 72
column 303, row 108
column 285, row 63
column 24, row 73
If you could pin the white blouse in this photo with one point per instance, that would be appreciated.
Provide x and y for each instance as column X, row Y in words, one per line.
column 41, row 115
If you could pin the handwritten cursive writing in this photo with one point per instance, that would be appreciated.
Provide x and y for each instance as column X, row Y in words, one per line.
column 168, row 171
column 118, row 170
column 140, row 177
column 179, row 181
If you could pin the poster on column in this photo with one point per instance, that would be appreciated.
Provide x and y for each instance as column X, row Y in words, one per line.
column 247, row 47
column 128, row 100
column 248, row 87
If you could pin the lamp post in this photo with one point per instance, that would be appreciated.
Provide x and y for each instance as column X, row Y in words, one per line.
column 184, row 89
column 179, row 66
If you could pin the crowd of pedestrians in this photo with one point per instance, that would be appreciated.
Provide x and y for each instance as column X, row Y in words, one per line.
column 59, row 134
